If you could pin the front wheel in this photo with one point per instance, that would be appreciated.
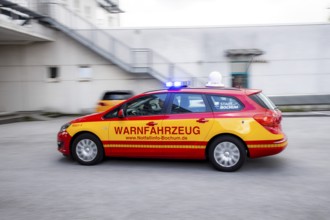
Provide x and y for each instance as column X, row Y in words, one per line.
column 227, row 153
column 87, row 149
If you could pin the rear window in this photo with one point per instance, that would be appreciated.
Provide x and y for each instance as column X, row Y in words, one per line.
column 117, row 95
column 263, row 101
column 221, row 103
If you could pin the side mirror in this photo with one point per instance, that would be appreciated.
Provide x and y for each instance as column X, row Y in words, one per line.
column 121, row 113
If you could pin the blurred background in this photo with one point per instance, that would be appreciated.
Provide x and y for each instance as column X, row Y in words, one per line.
column 63, row 55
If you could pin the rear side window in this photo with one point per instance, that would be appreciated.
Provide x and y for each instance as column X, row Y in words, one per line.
column 188, row 103
column 263, row 101
column 225, row 103
column 117, row 95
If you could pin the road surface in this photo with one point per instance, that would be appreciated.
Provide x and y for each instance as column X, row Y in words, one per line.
column 37, row 182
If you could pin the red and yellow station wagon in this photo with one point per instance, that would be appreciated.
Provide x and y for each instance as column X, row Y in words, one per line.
column 222, row 125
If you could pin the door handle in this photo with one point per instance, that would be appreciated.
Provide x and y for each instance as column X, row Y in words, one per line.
column 202, row 120
column 152, row 123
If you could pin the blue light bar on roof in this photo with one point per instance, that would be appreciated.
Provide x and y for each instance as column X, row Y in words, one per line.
column 177, row 84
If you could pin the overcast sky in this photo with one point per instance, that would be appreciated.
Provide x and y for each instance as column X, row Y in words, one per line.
column 174, row 13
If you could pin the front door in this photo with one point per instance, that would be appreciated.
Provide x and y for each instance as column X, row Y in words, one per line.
column 138, row 131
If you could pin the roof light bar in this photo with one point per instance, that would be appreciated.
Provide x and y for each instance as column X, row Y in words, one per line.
column 177, row 84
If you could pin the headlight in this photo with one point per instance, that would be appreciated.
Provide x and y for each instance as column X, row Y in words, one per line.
column 64, row 127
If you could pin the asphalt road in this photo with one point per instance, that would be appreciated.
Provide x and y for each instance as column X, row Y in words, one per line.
column 37, row 182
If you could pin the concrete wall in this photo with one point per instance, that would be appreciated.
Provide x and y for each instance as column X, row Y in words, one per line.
column 296, row 59
column 296, row 62
column 25, row 83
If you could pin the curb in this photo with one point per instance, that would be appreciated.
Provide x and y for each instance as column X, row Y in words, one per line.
column 12, row 117
column 306, row 114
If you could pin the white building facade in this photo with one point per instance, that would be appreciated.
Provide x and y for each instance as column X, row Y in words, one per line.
column 295, row 59
column 65, row 64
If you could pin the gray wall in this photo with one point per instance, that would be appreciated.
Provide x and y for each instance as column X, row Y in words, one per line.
column 25, row 86
column 296, row 59
column 296, row 62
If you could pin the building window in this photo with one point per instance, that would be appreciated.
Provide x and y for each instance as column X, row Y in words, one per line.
column 85, row 73
column 88, row 12
column 77, row 5
column 110, row 21
column 53, row 74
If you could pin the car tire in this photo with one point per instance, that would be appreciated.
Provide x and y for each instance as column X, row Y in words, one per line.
column 227, row 153
column 87, row 149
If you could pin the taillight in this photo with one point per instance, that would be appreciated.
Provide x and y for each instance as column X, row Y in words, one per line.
column 270, row 120
column 101, row 104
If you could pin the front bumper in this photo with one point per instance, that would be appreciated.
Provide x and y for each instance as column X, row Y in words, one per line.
column 63, row 142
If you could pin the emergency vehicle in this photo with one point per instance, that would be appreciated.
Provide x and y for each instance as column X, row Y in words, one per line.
column 222, row 125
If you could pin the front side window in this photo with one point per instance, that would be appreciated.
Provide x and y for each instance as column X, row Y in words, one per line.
column 187, row 103
column 146, row 105
column 225, row 103
column 112, row 114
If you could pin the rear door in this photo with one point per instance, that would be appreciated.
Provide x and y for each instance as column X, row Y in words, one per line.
column 186, row 125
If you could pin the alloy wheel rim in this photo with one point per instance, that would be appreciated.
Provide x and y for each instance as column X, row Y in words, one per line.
column 86, row 150
column 226, row 154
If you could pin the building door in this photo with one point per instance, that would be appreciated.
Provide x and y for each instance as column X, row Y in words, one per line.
column 239, row 80
column 239, row 74
column 240, row 61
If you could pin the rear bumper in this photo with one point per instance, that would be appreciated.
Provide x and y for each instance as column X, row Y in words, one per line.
column 266, row 148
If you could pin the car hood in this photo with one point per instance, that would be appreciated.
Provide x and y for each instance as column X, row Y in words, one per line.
column 88, row 118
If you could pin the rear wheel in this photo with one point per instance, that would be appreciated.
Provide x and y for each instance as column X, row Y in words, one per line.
column 227, row 153
column 87, row 149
